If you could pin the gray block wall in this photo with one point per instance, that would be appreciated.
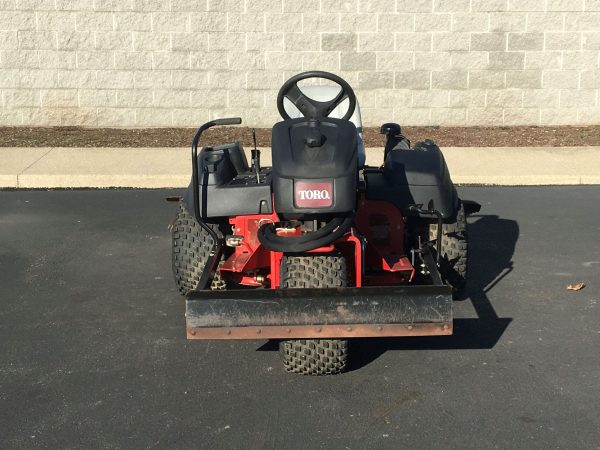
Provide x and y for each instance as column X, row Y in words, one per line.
column 146, row 63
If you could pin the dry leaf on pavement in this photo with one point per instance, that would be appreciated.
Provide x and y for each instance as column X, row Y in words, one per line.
column 575, row 287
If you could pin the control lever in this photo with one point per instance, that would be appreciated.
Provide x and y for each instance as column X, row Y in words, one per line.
column 432, row 212
column 393, row 135
column 217, row 246
column 255, row 157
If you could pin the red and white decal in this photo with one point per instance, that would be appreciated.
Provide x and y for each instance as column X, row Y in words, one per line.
column 311, row 194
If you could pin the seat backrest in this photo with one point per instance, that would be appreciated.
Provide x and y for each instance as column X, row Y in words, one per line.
column 322, row 94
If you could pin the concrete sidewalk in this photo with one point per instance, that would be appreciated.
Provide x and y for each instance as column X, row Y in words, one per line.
column 171, row 167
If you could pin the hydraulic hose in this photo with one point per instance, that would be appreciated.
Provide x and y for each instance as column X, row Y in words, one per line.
column 267, row 235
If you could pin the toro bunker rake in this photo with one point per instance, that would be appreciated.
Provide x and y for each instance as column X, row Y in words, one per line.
column 319, row 248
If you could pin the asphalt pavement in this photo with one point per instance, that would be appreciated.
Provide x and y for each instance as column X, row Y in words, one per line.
column 93, row 349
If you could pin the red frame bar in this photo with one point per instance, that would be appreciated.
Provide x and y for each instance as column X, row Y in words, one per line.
column 381, row 223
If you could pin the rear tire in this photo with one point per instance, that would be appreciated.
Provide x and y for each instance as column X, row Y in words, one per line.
column 314, row 356
column 191, row 247
column 454, row 252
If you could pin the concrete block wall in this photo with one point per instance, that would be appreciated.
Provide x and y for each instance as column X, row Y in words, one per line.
column 146, row 63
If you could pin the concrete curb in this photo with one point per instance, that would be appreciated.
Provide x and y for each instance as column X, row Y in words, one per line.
column 170, row 167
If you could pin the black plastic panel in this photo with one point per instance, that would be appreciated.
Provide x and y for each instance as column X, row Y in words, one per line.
column 418, row 176
column 227, row 186
column 310, row 150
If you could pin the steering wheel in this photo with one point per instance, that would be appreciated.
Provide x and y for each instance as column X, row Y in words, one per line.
column 312, row 108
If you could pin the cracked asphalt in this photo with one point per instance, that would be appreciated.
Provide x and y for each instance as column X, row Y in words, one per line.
column 93, row 351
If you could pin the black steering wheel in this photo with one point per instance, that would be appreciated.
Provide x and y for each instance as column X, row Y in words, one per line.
column 309, row 107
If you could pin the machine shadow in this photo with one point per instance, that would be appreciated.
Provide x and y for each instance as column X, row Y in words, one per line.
column 492, row 242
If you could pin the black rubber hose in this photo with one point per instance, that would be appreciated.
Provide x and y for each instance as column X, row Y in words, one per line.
column 267, row 235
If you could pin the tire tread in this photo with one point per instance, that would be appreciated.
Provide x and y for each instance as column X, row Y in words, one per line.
column 314, row 356
column 191, row 248
column 454, row 252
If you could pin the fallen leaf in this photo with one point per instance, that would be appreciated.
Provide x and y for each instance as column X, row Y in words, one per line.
column 575, row 287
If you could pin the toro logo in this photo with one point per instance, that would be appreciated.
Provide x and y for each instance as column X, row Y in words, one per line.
column 309, row 194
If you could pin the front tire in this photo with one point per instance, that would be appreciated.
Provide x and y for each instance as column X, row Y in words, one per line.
column 454, row 251
column 314, row 356
column 191, row 247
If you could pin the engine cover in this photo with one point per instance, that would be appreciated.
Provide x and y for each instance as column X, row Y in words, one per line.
column 417, row 176
column 315, row 166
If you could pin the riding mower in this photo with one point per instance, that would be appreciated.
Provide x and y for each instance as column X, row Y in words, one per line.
column 319, row 249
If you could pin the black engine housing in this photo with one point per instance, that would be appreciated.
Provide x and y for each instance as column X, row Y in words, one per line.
column 316, row 158
column 418, row 176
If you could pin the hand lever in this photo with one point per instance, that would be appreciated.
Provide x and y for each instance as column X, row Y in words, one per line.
column 255, row 157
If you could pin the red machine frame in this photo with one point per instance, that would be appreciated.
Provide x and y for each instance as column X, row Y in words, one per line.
column 374, row 249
